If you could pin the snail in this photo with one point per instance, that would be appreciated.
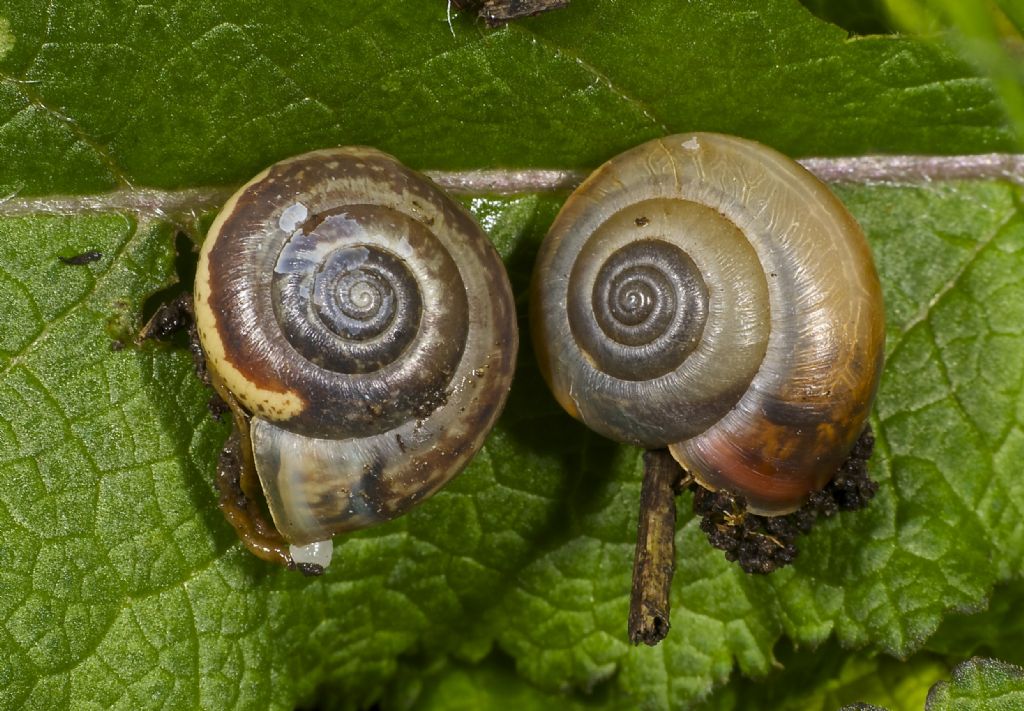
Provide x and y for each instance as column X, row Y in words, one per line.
column 361, row 328
column 706, row 294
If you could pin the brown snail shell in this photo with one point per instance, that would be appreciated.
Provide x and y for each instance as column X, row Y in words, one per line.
column 363, row 327
column 706, row 293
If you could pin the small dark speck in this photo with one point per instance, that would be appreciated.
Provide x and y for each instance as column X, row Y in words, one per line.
column 216, row 407
column 641, row 221
column 772, row 274
column 83, row 258
column 116, row 345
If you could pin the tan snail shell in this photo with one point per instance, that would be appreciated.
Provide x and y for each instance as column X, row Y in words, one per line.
column 706, row 293
column 365, row 325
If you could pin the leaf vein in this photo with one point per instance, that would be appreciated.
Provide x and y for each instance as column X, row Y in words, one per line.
column 600, row 76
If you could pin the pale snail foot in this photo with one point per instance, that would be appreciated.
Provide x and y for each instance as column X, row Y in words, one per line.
column 239, row 507
column 763, row 544
column 316, row 553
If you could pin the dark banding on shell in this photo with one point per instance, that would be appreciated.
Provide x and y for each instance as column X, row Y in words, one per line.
column 350, row 307
column 768, row 386
column 645, row 313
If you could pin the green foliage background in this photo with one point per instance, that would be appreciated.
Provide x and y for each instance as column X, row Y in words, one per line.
column 122, row 587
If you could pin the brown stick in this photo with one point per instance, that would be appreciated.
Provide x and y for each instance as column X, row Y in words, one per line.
column 655, row 559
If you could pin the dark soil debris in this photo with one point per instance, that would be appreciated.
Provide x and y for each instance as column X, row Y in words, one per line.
column 81, row 259
column 170, row 318
column 217, row 407
column 763, row 544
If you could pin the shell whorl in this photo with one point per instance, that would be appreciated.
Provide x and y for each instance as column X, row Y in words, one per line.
column 706, row 293
column 364, row 321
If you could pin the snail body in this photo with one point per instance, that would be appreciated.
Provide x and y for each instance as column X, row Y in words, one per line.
column 707, row 294
column 362, row 329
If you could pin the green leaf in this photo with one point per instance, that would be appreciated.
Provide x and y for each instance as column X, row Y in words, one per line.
column 489, row 686
column 96, row 95
column 862, row 17
column 995, row 632
column 986, row 684
column 829, row 679
column 121, row 586
column 988, row 34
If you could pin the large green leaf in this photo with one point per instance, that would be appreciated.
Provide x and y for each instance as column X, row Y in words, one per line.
column 121, row 585
column 99, row 94
column 983, row 684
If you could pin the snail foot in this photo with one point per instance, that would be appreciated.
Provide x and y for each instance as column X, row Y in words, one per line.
column 242, row 512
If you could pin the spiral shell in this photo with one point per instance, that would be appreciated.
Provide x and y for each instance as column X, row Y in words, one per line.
column 365, row 325
column 706, row 293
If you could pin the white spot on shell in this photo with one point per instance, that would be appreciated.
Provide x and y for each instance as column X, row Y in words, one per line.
column 292, row 217
column 692, row 144
column 319, row 553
